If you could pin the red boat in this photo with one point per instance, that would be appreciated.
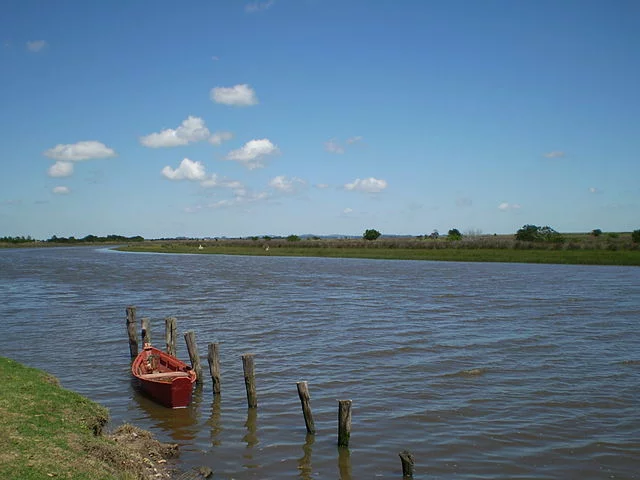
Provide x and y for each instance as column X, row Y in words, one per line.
column 166, row 379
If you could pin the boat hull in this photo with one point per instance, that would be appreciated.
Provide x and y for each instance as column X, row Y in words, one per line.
column 164, row 378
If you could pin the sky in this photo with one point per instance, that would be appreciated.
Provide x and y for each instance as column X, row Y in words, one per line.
column 276, row 117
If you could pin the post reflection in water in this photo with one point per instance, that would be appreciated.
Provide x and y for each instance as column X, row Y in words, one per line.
column 215, row 423
column 251, row 437
column 181, row 424
column 344, row 463
column 304, row 463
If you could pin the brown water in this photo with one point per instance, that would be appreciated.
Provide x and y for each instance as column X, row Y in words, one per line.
column 480, row 370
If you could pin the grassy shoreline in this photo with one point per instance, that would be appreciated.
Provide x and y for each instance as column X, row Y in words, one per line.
column 50, row 432
column 586, row 252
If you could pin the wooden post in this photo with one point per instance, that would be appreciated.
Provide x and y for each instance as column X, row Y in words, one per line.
column 170, row 334
column 192, row 347
column 249, row 380
column 344, row 422
column 303, row 393
column 146, row 331
column 132, row 331
column 214, row 366
column 407, row 464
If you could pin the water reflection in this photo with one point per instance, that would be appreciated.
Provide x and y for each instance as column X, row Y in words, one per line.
column 251, row 437
column 344, row 463
column 304, row 463
column 215, row 422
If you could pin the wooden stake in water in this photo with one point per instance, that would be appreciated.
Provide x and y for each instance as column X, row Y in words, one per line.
column 344, row 422
column 407, row 464
column 249, row 380
column 132, row 331
column 303, row 393
column 214, row 366
column 170, row 333
column 192, row 347
column 146, row 331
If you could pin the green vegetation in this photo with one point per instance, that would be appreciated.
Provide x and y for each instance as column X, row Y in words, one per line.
column 635, row 236
column 55, row 240
column 454, row 234
column 576, row 249
column 533, row 233
column 49, row 432
column 371, row 234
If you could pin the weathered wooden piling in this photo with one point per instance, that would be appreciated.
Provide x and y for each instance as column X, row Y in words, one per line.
column 170, row 333
column 303, row 393
column 344, row 422
column 146, row 331
column 132, row 331
column 192, row 347
column 407, row 464
column 249, row 380
column 214, row 366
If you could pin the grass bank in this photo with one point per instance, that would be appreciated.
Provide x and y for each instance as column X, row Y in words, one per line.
column 576, row 251
column 49, row 432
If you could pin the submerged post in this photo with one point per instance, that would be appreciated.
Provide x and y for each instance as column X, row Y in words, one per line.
column 303, row 393
column 249, row 380
column 132, row 331
column 407, row 464
column 192, row 347
column 344, row 422
column 170, row 333
column 214, row 366
column 146, row 331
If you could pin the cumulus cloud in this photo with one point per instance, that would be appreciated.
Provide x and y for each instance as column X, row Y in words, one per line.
column 36, row 45
column 368, row 185
column 252, row 153
column 191, row 130
column 188, row 170
column 555, row 154
column 505, row 206
column 61, row 190
column 285, row 184
column 75, row 152
column 258, row 6
column 238, row 95
column 218, row 137
column 61, row 169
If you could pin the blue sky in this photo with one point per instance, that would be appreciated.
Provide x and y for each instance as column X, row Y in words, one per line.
column 237, row 118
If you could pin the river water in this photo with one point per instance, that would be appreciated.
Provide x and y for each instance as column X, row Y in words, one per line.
column 480, row 370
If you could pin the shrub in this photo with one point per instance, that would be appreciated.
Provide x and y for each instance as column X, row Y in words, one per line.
column 371, row 234
column 596, row 232
column 293, row 238
column 635, row 236
column 454, row 234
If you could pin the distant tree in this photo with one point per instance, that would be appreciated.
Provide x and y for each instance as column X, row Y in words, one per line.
column 596, row 232
column 434, row 235
column 533, row 233
column 293, row 238
column 528, row 233
column 371, row 234
column 635, row 236
column 266, row 237
column 454, row 234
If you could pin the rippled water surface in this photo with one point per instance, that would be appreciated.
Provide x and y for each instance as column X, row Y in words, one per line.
column 479, row 370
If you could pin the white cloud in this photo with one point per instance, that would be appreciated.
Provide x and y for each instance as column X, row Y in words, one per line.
column 218, row 137
column 332, row 146
column 238, row 95
column 555, row 154
column 347, row 211
column 258, row 6
column 76, row 152
column 284, row 184
column 188, row 170
column 61, row 190
column 191, row 130
column 352, row 140
column 368, row 185
column 36, row 45
column 252, row 153
column 594, row 190
column 61, row 169
column 505, row 206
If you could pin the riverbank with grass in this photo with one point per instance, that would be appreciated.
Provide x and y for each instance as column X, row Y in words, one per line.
column 576, row 249
column 50, row 432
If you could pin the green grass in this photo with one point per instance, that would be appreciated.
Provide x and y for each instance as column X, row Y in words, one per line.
column 49, row 432
column 498, row 251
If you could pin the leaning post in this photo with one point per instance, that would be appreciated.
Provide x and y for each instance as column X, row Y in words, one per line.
column 132, row 331
column 303, row 393
column 214, row 366
column 192, row 347
column 170, row 333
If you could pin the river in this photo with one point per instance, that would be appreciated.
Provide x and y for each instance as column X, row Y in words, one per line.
column 480, row 370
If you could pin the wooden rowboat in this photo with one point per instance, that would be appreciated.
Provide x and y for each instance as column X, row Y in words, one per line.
column 166, row 379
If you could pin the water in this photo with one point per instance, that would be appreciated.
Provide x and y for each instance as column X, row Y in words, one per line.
column 480, row 370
